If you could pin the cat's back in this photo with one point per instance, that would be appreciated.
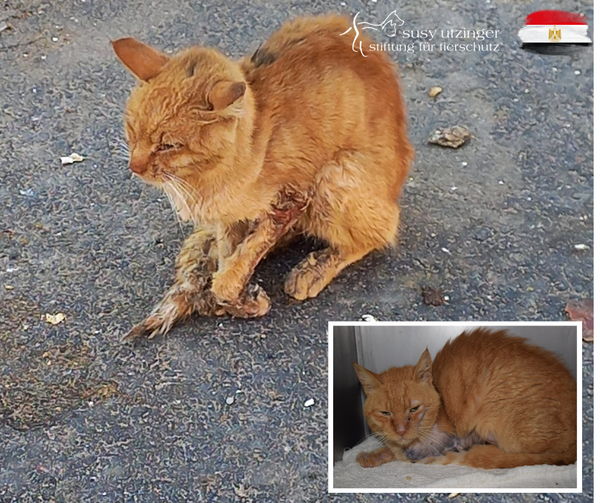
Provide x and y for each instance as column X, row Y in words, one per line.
column 484, row 368
column 316, row 61
column 484, row 354
column 318, row 42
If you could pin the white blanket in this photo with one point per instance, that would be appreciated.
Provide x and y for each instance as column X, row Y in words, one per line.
column 397, row 474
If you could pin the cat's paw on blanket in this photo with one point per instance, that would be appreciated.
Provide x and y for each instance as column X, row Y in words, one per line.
column 375, row 458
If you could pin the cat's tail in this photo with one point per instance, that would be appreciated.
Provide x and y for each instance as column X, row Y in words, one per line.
column 490, row 456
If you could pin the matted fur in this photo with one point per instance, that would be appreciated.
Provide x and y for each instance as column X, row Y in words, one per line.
column 489, row 400
column 305, row 136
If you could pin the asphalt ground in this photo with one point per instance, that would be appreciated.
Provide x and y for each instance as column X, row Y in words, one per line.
column 493, row 225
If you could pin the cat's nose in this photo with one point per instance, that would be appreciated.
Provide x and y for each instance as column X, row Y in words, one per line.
column 138, row 164
column 401, row 429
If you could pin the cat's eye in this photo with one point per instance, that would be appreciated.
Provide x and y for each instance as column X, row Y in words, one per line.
column 415, row 409
column 164, row 147
column 385, row 413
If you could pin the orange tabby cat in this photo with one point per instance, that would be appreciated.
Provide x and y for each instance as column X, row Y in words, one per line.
column 304, row 137
column 489, row 400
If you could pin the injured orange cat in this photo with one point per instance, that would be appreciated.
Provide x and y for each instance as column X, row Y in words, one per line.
column 489, row 400
column 306, row 136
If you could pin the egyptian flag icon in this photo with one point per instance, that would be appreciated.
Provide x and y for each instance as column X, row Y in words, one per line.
column 554, row 32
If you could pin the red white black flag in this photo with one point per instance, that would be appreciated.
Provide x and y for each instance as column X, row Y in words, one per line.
column 546, row 28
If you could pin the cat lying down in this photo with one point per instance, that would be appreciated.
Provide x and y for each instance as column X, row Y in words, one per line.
column 488, row 400
column 304, row 137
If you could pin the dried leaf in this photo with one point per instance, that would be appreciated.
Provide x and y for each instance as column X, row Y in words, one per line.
column 432, row 296
column 583, row 310
column 452, row 137
column 434, row 91
column 54, row 319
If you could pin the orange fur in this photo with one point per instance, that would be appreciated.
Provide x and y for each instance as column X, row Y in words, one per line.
column 515, row 401
column 305, row 136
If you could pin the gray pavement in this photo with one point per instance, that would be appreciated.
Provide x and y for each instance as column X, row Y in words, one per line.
column 84, row 418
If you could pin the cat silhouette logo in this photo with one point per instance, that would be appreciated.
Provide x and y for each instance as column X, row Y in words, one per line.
column 389, row 26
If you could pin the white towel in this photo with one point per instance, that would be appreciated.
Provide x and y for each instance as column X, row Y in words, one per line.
column 398, row 474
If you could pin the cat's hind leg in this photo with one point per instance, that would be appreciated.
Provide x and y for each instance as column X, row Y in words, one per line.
column 317, row 270
column 489, row 456
column 353, row 214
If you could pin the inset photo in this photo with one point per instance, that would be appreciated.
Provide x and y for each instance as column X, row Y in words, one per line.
column 456, row 407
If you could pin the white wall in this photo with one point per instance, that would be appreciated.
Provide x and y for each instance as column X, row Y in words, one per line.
column 382, row 347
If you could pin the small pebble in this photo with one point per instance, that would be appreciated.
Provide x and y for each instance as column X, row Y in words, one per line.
column 309, row 403
column 434, row 91
column 229, row 400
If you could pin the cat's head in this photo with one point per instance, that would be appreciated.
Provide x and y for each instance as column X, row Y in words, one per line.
column 402, row 403
column 183, row 119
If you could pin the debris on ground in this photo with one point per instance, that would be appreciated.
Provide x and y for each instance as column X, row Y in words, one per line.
column 434, row 91
column 432, row 296
column 453, row 137
column 581, row 247
column 70, row 159
column 583, row 310
column 54, row 319
column 368, row 317
column 309, row 403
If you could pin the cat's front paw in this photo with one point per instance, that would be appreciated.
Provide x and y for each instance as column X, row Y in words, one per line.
column 226, row 287
column 253, row 303
column 375, row 458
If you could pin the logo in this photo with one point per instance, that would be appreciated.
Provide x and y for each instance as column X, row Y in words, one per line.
column 554, row 32
column 389, row 26
column 410, row 40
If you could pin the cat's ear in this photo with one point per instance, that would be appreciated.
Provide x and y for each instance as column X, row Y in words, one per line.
column 142, row 60
column 367, row 378
column 225, row 93
column 423, row 368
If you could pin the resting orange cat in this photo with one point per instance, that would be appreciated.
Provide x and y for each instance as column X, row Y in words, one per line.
column 304, row 137
column 489, row 400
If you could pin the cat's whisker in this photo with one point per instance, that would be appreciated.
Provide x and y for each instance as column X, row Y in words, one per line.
column 181, row 192
column 191, row 192
column 167, row 187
